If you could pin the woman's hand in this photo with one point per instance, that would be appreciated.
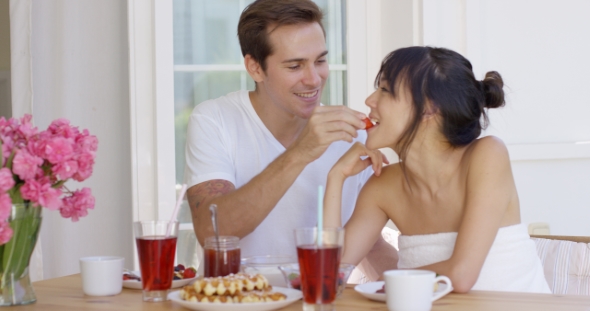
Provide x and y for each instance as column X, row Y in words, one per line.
column 351, row 162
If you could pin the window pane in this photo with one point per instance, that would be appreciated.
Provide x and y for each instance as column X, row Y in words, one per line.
column 335, row 90
column 335, row 26
column 205, row 32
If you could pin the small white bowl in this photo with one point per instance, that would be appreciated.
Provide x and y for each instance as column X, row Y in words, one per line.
column 268, row 266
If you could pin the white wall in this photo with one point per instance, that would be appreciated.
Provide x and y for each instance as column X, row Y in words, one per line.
column 80, row 72
column 541, row 49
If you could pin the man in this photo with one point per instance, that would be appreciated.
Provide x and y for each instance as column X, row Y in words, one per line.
column 260, row 156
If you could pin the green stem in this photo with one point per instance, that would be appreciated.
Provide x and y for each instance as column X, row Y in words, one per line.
column 16, row 253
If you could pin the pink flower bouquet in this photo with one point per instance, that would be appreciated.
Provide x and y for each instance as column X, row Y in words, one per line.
column 35, row 166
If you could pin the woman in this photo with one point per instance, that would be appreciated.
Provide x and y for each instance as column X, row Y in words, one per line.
column 452, row 195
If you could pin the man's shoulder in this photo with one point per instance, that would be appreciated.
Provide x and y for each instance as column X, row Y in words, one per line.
column 222, row 106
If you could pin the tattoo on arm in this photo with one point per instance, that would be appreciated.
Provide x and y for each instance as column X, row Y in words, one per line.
column 208, row 190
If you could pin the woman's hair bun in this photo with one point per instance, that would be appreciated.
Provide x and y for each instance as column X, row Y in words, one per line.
column 492, row 87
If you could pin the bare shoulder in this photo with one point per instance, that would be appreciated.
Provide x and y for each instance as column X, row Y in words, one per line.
column 487, row 157
column 388, row 174
column 489, row 150
column 379, row 189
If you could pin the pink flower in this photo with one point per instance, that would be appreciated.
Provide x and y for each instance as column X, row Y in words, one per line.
column 6, row 150
column 6, row 180
column 77, row 205
column 85, row 163
column 65, row 169
column 61, row 127
column 26, row 128
column 5, row 232
column 41, row 194
column 58, row 150
column 87, row 143
column 25, row 165
column 31, row 190
column 42, row 161
column 49, row 197
column 7, row 127
column 5, row 206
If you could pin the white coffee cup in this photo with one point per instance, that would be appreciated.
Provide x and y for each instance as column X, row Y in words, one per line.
column 102, row 275
column 413, row 290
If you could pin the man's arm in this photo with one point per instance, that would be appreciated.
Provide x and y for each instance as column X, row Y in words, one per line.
column 241, row 210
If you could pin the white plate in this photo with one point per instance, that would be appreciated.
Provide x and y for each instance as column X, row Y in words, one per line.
column 292, row 296
column 369, row 290
column 134, row 284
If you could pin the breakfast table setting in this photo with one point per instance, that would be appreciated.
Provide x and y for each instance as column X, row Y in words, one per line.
column 65, row 293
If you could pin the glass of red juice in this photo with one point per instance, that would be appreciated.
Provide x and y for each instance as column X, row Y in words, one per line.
column 222, row 259
column 156, row 249
column 318, row 252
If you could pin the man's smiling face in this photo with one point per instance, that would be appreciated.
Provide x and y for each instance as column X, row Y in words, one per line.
column 297, row 69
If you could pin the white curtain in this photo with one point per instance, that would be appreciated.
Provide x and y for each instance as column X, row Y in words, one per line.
column 22, row 89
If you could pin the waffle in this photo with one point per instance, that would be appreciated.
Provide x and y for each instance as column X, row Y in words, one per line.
column 231, row 284
column 238, row 288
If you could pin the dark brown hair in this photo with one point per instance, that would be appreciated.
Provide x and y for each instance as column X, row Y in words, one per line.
column 257, row 19
column 446, row 79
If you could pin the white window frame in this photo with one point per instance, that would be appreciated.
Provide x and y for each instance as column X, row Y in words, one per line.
column 151, row 102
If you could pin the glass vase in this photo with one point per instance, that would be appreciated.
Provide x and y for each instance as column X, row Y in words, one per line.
column 15, row 285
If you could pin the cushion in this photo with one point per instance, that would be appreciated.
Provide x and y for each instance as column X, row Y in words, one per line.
column 566, row 265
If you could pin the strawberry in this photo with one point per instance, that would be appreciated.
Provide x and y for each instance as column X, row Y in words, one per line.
column 127, row 277
column 295, row 282
column 189, row 273
column 368, row 123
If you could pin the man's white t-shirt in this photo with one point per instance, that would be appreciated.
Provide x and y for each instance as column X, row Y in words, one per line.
column 227, row 140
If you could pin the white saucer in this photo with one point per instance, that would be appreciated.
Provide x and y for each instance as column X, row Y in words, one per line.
column 135, row 284
column 369, row 290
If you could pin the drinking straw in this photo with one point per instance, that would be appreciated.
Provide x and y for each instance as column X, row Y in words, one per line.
column 176, row 208
column 320, row 214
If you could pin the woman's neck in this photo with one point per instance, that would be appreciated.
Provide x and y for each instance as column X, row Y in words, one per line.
column 431, row 162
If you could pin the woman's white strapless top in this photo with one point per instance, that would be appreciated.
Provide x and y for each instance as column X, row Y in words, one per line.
column 511, row 265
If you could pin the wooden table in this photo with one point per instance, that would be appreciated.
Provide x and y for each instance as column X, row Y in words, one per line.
column 65, row 293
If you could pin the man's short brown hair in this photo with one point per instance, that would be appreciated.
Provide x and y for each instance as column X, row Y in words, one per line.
column 259, row 16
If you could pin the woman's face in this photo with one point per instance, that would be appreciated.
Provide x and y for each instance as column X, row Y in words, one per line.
column 392, row 114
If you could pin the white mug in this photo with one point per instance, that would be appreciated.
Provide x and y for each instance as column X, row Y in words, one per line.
column 102, row 275
column 413, row 290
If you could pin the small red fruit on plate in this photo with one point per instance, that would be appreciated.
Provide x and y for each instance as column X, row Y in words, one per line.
column 295, row 281
column 189, row 273
column 128, row 277
column 368, row 123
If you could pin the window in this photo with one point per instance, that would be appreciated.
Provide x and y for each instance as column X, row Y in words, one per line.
column 208, row 64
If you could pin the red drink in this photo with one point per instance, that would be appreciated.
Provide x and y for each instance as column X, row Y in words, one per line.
column 221, row 262
column 319, row 272
column 222, row 256
column 156, row 260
